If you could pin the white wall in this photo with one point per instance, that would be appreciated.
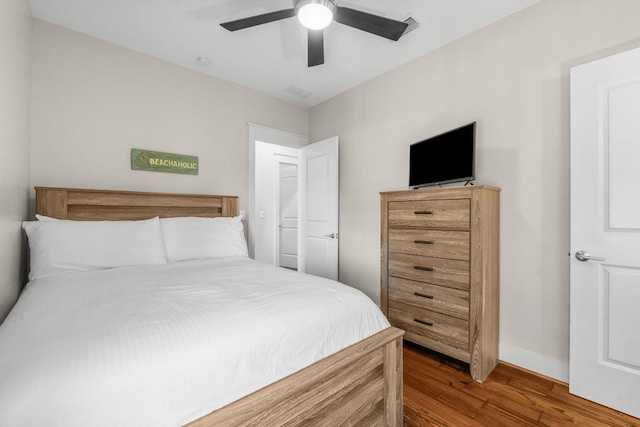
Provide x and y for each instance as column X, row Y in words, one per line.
column 94, row 101
column 15, row 84
column 512, row 78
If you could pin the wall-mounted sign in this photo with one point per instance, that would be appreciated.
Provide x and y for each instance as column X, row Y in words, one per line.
column 156, row 161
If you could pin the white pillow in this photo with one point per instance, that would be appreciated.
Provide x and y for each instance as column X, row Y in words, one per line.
column 193, row 237
column 47, row 218
column 61, row 246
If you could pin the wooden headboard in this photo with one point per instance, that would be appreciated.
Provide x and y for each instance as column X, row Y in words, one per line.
column 101, row 205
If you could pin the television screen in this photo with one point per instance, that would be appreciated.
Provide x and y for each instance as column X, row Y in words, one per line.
column 445, row 158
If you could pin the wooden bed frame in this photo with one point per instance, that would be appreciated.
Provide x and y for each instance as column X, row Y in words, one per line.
column 360, row 385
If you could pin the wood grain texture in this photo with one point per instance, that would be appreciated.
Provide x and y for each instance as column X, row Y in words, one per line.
column 484, row 287
column 439, row 392
column 103, row 205
column 445, row 334
column 437, row 271
column 448, row 238
column 393, row 385
column 360, row 385
column 429, row 242
column 429, row 213
column 441, row 299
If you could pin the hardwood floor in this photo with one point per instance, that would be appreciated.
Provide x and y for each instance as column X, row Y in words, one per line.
column 439, row 391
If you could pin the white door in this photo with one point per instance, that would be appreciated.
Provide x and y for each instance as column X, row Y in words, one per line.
column 288, row 216
column 605, row 223
column 319, row 195
column 264, row 144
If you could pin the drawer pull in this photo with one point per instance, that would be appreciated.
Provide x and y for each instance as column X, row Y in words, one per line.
column 423, row 322
column 418, row 267
column 423, row 212
column 423, row 242
column 418, row 294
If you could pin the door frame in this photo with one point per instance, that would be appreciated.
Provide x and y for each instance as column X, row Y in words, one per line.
column 273, row 136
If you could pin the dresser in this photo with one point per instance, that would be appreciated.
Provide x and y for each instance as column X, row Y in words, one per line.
column 440, row 270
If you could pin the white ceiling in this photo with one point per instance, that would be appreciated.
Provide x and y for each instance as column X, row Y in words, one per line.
column 273, row 57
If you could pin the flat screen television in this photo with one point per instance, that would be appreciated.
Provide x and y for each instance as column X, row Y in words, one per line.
column 444, row 158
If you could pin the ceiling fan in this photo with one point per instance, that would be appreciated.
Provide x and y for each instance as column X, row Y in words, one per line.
column 317, row 15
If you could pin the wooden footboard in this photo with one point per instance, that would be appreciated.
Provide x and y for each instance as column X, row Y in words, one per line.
column 360, row 385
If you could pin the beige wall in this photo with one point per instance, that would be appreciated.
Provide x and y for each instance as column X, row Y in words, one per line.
column 15, row 83
column 94, row 101
column 512, row 78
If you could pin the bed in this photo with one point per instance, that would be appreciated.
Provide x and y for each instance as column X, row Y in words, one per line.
column 316, row 378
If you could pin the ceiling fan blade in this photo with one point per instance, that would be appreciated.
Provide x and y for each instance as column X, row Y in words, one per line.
column 315, row 48
column 374, row 24
column 252, row 21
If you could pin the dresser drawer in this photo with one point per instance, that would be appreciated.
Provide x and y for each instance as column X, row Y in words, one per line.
column 442, row 244
column 449, row 301
column 430, row 213
column 445, row 334
column 436, row 271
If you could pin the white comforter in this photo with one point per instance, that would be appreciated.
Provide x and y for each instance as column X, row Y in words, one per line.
column 164, row 345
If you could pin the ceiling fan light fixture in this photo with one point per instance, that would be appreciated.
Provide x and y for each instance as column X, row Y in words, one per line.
column 318, row 14
column 315, row 14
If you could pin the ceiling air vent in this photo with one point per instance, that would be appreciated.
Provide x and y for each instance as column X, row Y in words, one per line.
column 298, row 91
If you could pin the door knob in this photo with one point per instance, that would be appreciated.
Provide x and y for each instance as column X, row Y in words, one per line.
column 584, row 256
column 332, row 235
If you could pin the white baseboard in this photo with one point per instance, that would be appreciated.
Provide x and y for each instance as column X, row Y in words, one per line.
column 554, row 368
